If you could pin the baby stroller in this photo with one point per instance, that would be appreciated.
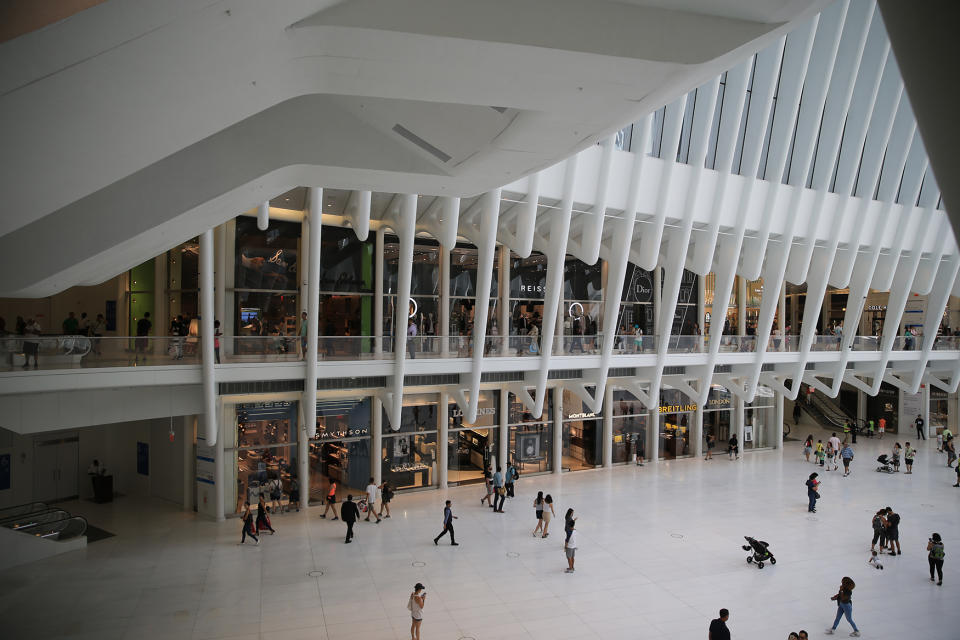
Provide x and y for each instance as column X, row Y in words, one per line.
column 761, row 552
column 885, row 466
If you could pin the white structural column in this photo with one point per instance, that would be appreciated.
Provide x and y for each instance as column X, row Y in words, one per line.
column 263, row 216
column 189, row 424
column 206, row 349
column 503, row 446
column 161, row 319
column 504, row 300
column 778, row 427
column 653, row 432
column 443, row 317
column 406, row 229
column 315, row 222
column 378, row 293
column 696, row 432
column 558, row 429
column 443, row 426
column 556, row 251
column 376, row 440
column 607, row 445
column 220, row 276
column 738, row 419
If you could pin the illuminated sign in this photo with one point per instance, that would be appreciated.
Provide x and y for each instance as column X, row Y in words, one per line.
column 457, row 412
column 580, row 416
column 677, row 408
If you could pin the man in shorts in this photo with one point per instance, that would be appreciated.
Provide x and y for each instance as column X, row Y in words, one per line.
column 834, row 443
column 372, row 500
column 847, row 454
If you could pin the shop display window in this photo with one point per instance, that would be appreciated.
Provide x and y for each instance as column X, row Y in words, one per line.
column 530, row 443
column 419, row 413
column 938, row 411
column 346, row 263
column 630, row 422
column 341, row 448
column 263, row 446
column 676, row 418
column 582, row 434
column 266, row 259
column 471, row 446
column 718, row 415
column 759, row 420
column 409, row 461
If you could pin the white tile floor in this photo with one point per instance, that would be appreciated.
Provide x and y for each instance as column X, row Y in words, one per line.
column 659, row 555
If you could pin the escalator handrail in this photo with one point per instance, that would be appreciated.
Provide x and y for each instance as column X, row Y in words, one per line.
column 32, row 519
column 4, row 512
column 66, row 521
column 26, row 528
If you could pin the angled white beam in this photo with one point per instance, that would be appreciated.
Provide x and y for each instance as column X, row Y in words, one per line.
column 263, row 216
column 556, row 250
column 405, row 226
column 593, row 225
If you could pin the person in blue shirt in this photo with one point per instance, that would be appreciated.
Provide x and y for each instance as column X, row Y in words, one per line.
column 509, row 480
column 847, row 454
column 448, row 519
column 499, row 492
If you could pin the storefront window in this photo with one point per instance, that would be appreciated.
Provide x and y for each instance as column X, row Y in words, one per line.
column 718, row 415
column 676, row 418
column 424, row 306
column 531, row 439
column 341, row 450
column 582, row 433
column 265, row 283
column 630, row 419
column 470, row 446
column 409, row 454
column 183, row 286
column 759, row 420
column 528, row 277
column 938, row 411
column 263, row 446
column 636, row 310
column 714, row 318
column 886, row 404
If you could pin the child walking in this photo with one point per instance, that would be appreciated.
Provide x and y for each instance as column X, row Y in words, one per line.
column 820, row 453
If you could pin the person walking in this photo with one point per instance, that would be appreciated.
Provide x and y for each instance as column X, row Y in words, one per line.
column 488, row 486
column 538, row 507
column 847, row 454
column 881, row 427
column 248, row 528
column 263, row 521
column 919, row 424
column 935, row 555
column 386, row 495
column 511, row 477
column 415, row 606
column 812, row 494
column 499, row 493
column 808, row 447
column 711, row 443
column 570, row 548
column 331, row 499
column 448, row 519
column 957, row 483
column 350, row 513
column 951, row 450
column 294, row 495
column 276, row 494
column 844, row 599
column 909, row 454
column 216, row 340
column 718, row 627
column 834, row 442
column 548, row 512
column 303, row 335
column 796, row 413
column 412, row 338
column 372, row 501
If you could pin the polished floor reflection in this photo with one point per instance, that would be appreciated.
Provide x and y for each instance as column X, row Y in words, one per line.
column 659, row 555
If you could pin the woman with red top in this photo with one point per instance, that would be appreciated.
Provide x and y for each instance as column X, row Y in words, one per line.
column 812, row 494
column 331, row 499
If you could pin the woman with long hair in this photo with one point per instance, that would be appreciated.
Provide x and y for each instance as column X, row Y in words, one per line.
column 568, row 521
column 844, row 599
column 808, row 447
column 538, row 509
column 548, row 513
column 248, row 530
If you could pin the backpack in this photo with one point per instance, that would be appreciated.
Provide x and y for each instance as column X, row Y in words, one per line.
column 937, row 552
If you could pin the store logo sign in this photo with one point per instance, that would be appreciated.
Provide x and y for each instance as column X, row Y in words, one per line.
column 531, row 288
column 677, row 408
column 340, row 434
column 457, row 412
column 580, row 416
column 719, row 402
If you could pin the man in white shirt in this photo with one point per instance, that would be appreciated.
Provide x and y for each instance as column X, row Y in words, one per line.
column 372, row 500
column 834, row 442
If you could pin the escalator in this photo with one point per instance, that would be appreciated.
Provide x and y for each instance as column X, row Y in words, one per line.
column 826, row 412
column 38, row 519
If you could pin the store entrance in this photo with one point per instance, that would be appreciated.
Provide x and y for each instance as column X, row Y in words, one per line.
column 469, row 451
column 717, row 424
column 345, row 462
column 675, row 434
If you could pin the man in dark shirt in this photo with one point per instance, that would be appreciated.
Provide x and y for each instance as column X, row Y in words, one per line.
column 448, row 519
column 919, row 423
column 718, row 627
column 349, row 513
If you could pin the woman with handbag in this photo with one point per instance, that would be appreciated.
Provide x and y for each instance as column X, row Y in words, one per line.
column 812, row 494
column 844, row 599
